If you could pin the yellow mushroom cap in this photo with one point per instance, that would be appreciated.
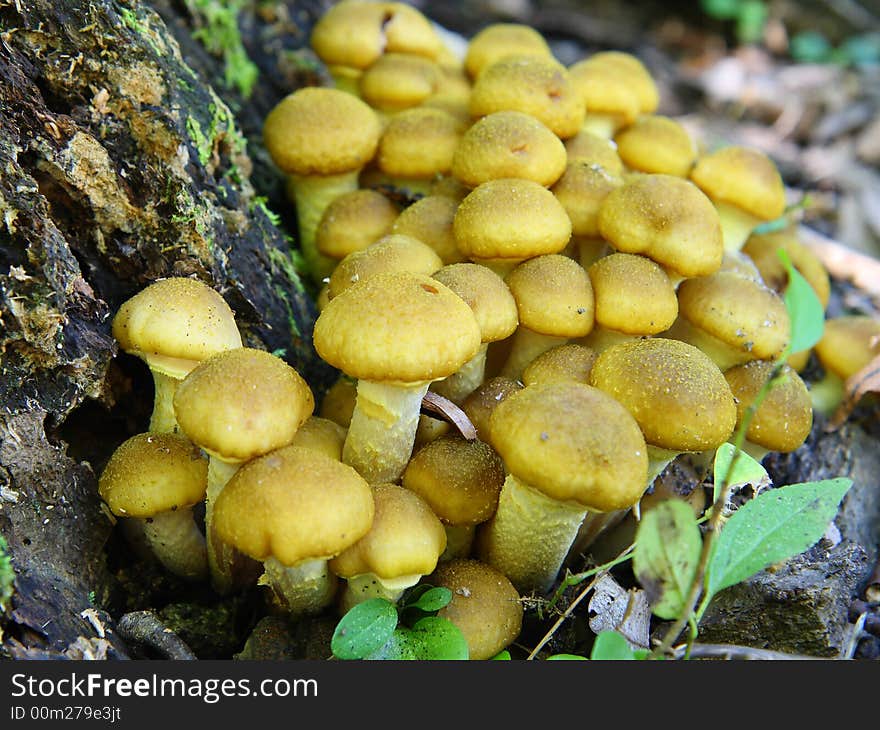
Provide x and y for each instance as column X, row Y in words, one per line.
column 604, row 90
column 293, row 504
column 784, row 417
column 596, row 150
column 553, row 296
column 481, row 403
column 459, row 478
column 429, row 219
column 510, row 218
column 743, row 313
column 633, row 294
column 509, row 144
column 338, row 402
column 486, row 294
column 175, row 323
column 667, row 219
column 151, row 473
column 398, row 81
column 573, row 443
column 242, row 403
column 638, row 78
column 570, row 362
column 743, row 177
column 419, row 143
column 498, row 40
column 321, row 131
column 582, row 189
column 353, row 221
column 394, row 252
column 397, row 326
column 534, row 85
column 356, row 33
column 677, row 395
column 321, row 434
column 485, row 606
column 657, row 144
column 762, row 249
column 849, row 342
column 405, row 539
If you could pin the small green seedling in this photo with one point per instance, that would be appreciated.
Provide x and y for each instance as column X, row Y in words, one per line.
column 410, row 629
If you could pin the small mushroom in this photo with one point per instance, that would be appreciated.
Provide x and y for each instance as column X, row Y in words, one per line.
column 294, row 509
column 498, row 40
column 404, row 543
column 430, row 221
column 172, row 325
column 156, row 478
column 654, row 143
column 571, row 362
column 849, row 342
column 395, row 333
column 485, row 606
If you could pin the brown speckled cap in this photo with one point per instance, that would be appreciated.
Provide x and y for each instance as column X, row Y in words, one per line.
column 399, row 326
column 175, row 323
column 151, row 473
column 321, row 131
column 572, row 442
column 242, row 403
column 293, row 504
column 677, row 395
column 486, row 294
column 667, row 219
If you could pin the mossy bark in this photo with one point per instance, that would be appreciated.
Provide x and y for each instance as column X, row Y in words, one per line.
column 122, row 160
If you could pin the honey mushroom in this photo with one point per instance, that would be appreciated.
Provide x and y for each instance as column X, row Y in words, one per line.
column 404, row 543
column 395, row 333
column 555, row 303
column 430, row 219
column 494, row 307
column 746, row 188
column 460, row 479
column 172, row 325
column 156, row 479
column 353, row 221
column 321, row 139
column 293, row 509
column 571, row 362
column 569, row 449
column 654, row 143
column 238, row 405
column 498, row 40
column 483, row 401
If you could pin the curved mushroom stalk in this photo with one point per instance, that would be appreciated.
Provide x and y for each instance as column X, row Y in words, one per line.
column 302, row 589
column 530, row 535
column 383, row 427
column 162, row 419
column 312, row 194
column 177, row 543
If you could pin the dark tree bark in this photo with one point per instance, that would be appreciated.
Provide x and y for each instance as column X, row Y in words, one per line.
column 124, row 157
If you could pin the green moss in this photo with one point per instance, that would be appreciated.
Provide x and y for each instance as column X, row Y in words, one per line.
column 218, row 33
column 204, row 145
column 131, row 21
column 7, row 576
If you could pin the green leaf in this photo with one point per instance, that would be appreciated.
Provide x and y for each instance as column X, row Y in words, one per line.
column 745, row 469
column 750, row 21
column 772, row 527
column 566, row 657
column 430, row 600
column 610, row 645
column 668, row 546
column 431, row 638
column 502, row 655
column 804, row 308
column 810, row 47
column 364, row 629
column 721, row 9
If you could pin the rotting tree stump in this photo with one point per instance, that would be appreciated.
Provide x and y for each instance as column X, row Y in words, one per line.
column 122, row 160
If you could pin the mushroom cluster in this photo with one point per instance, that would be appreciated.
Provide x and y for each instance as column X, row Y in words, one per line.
column 570, row 270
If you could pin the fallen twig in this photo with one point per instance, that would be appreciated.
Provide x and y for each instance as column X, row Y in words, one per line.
column 144, row 627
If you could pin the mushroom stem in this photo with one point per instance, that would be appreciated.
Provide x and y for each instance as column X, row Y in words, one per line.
column 382, row 431
column 178, row 543
column 163, row 419
column 459, row 539
column 222, row 558
column 601, row 125
column 461, row 384
column 529, row 557
column 360, row 588
column 312, row 194
column 736, row 225
column 526, row 346
column 828, row 393
column 302, row 589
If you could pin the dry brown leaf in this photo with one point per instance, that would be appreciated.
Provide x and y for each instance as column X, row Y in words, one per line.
column 613, row 608
column 437, row 406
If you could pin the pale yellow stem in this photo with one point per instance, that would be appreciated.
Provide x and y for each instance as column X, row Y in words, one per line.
column 177, row 542
column 302, row 589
